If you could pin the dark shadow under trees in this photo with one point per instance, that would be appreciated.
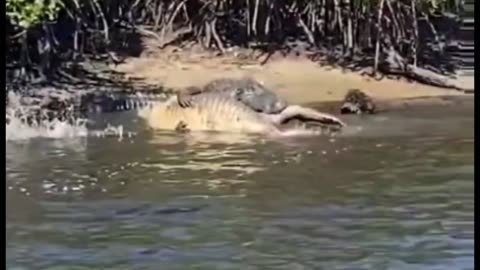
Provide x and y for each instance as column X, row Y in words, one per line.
column 352, row 34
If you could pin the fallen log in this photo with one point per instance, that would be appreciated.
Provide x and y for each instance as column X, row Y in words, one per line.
column 397, row 65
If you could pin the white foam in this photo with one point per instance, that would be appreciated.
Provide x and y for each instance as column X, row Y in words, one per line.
column 18, row 129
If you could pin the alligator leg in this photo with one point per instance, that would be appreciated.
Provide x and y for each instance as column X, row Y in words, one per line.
column 295, row 111
column 184, row 96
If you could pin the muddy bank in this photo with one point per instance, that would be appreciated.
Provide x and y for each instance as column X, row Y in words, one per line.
column 296, row 79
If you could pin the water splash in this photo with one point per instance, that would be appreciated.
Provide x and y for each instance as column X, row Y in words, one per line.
column 25, row 120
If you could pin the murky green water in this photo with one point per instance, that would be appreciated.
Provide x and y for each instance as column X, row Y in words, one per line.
column 395, row 192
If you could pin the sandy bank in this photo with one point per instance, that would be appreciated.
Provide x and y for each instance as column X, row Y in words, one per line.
column 296, row 80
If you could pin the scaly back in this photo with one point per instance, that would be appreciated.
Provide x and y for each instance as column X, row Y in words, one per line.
column 250, row 92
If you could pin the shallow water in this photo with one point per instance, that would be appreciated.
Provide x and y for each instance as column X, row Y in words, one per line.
column 395, row 191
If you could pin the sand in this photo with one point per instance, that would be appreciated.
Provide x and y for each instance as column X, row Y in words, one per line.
column 296, row 80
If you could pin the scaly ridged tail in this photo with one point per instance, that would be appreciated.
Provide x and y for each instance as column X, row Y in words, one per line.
column 115, row 102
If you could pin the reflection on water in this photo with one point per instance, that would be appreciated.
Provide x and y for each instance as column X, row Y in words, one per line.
column 370, row 199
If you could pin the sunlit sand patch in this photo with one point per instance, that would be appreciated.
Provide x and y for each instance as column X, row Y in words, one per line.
column 296, row 80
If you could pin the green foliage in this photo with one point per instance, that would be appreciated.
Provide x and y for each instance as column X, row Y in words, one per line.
column 27, row 13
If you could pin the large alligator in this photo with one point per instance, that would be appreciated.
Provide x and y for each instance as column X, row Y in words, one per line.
column 213, row 112
column 46, row 104
column 245, row 107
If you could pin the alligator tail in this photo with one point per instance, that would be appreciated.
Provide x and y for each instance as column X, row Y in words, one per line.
column 116, row 102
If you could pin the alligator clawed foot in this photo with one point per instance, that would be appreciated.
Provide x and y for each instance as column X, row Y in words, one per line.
column 184, row 97
column 185, row 101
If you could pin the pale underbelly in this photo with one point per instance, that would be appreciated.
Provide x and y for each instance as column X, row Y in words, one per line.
column 204, row 120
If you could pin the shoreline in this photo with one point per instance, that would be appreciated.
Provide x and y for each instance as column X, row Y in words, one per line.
column 298, row 80
column 399, row 104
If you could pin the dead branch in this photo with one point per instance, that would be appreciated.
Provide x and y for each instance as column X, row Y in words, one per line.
column 255, row 17
column 396, row 64
column 379, row 32
column 415, row 33
column 216, row 37
column 307, row 31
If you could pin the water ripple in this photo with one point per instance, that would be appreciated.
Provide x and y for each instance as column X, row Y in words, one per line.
column 160, row 201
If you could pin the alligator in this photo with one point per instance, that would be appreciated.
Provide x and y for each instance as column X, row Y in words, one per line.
column 357, row 102
column 213, row 112
column 251, row 110
column 246, row 90
column 47, row 104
